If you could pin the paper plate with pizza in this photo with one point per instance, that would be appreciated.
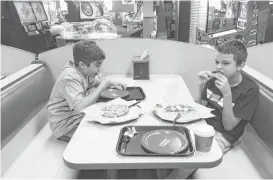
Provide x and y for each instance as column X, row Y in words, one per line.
column 116, row 111
column 188, row 113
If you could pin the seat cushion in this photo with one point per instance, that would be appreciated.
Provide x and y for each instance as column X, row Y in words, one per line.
column 235, row 164
column 43, row 158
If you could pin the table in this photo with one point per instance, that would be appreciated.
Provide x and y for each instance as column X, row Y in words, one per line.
column 93, row 146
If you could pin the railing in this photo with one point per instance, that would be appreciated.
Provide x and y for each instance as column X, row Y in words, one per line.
column 15, row 78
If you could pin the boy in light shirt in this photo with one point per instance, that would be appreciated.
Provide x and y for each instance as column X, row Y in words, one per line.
column 76, row 89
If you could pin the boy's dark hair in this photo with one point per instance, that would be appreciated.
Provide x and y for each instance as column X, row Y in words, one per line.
column 87, row 51
column 235, row 47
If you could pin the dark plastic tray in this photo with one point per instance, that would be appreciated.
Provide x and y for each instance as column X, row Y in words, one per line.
column 135, row 93
column 134, row 147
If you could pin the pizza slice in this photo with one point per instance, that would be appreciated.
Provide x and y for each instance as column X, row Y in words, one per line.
column 114, row 110
column 178, row 108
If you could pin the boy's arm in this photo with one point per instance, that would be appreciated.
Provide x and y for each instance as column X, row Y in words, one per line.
column 199, row 94
column 92, row 98
column 228, row 118
column 99, row 78
column 73, row 92
column 244, row 107
column 204, row 77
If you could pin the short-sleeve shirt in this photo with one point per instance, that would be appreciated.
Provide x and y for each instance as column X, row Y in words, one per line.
column 244, row 100
column 69, row 90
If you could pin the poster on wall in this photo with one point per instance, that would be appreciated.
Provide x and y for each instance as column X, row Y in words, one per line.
column 25, row 12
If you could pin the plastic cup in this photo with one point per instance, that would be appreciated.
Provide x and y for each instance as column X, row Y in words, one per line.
column 203, row 138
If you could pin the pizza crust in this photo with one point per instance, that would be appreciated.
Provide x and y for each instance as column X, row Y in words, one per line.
column 114, row 111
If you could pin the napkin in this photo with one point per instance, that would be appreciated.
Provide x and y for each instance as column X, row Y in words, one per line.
column 117, row 101
column 144, row 55
column 203, row 111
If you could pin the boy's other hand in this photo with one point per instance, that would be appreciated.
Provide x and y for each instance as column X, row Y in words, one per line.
column 204, row 76
column 222, row 84
column 119, row 86
column 105, row 83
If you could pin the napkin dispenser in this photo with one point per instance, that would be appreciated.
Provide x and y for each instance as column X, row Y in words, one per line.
column 141, row 68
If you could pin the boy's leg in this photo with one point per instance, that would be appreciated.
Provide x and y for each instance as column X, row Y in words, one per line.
column 66, row 137
column 222, row 142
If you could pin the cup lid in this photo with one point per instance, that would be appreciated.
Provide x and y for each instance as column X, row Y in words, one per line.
column 204, row 131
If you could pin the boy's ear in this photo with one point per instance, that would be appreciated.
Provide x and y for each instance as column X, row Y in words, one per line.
column 240, row 67
column 81, row 64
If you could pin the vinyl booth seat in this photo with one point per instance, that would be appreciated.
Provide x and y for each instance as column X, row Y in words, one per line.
column 28, row 148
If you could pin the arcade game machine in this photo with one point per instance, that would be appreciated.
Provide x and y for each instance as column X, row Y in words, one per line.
column 243, row 20
column 29, row 29
column 269, row 27
column 222, row 17
column 259, row 11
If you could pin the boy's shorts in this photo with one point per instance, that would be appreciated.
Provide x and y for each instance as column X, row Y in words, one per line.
column 69, row 134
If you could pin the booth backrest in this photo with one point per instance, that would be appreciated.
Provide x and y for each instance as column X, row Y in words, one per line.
column 165, row 57
column 260, row 58
column 13, row 59
column 261, row 62
column 262, row 121
column 22, row 100
column 257, row 139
